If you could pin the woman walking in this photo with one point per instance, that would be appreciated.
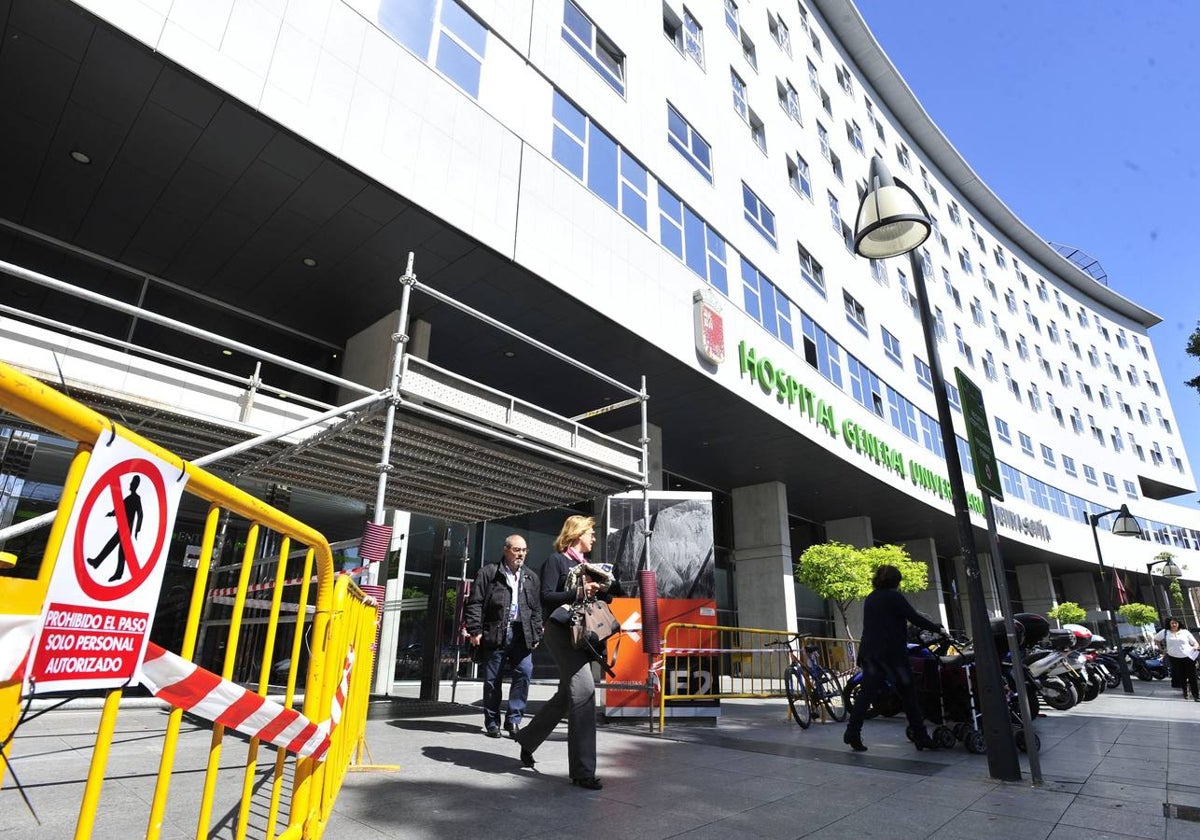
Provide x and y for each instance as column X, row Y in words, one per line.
column 576, row 695
column 883, row 655
column 1182, row 651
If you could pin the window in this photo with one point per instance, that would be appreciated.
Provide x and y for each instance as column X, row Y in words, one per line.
column 845, row 80
column 693, row 37
column 779, row 32
column 690, row 238
column 766, row 304
column 902, row 156
column 610, row 173
column 964, row 261
column 811, row 270
column 855, row 313
column 865, row 386
column 1130, row 489
column 758, row 131
column 931, row 435
column 1026, row 444
column 1069, row 466
column 789, row 100
column 748, row 51
column 826, row 103
column 821, row 351
column 903, row 414
column 1089, row 475
column 813, row 81
column 1002, row 431
column 798, row 176
column 758, row 214
column 455, row 46
column 731, row 17
column 739, row 95
column 1110, row 482
column 854, row 135
column 1013, row 481
column 823, row 140
column 835, row 213
column 1048, row 457
column 891, row 346
column 688, row 142
column 593, row 46
column 924, row 374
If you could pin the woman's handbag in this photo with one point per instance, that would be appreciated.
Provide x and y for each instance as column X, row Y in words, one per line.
column 592, row 622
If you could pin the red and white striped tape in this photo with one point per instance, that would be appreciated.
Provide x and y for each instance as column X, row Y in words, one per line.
column 189, row 687
column 16, row 638
column 270, row 584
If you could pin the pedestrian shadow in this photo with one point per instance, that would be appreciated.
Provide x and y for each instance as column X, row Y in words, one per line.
column 443, row 726
column 485, row 762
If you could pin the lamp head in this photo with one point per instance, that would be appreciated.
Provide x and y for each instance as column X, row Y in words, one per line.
column 1126, row 524
column 1171, row 571
column 890, row 219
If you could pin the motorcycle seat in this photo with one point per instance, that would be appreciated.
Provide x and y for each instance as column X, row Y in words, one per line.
column 957, row 660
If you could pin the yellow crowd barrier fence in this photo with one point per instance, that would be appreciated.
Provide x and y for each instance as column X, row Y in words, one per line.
column 707, row 662
column 331, row 648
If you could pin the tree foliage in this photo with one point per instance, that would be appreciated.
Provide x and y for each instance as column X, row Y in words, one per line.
column 1068, row 612
column 1139, row 615
column 1193, row 349
column 842, row 573
column 1176, row 594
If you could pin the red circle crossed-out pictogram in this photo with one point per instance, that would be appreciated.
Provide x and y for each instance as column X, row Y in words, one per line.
column 109, row 487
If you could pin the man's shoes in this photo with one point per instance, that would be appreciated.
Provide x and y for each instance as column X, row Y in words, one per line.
column 854, row 740
column 527, row 758
column 590, row 782
column 493, row 731
column 512, row 726
column 922, row 741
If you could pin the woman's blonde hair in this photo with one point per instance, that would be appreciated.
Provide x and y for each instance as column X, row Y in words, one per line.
column 574, row 528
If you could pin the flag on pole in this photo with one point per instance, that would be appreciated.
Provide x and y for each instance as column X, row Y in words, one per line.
column 1122, row 598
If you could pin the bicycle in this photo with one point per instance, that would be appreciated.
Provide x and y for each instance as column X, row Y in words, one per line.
column 809, row 685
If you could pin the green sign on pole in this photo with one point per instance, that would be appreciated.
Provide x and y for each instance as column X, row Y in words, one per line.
column 979, row 437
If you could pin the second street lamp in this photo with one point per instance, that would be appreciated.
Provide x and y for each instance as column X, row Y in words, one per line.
column 1125, row 525
column 1169, row 572
column 892, row 221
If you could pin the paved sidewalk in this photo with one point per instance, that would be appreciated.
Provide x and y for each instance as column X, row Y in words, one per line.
column 1109, row 767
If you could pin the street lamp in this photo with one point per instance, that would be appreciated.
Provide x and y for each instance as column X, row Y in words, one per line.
column 1126, row 525
column 1169, row 572
column 892, row 221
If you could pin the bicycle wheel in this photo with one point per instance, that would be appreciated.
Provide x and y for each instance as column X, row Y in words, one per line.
column 797, row 697
column 833, row 697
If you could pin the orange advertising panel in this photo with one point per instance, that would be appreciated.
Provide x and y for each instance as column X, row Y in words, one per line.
column 694, row 673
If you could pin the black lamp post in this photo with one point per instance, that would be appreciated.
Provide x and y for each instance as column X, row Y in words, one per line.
column 893, row 221
column 1169, row 572
column 1126, row 525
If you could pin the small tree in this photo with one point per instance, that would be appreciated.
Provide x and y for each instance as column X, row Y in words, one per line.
column 1176, row 595
column 1068, row 612
column 842, row 573
column 1139, row 615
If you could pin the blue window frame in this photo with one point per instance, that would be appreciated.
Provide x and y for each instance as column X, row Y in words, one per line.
column 588, row 153
column 758, row 214
column 689, row 237
column 903, row 414
column 596, row 48
column 442, row 33
column 931, row 435
column 964, row 456
column 1002, row 431
column 821, row 351
column 1069, row 466
column 766, row 304
column 924, row 374
column 891, row 346
column 688, row 142
column 1014, row 486
column 865, row 386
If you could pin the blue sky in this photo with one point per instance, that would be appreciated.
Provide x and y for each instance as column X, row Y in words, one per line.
column 1083, row 118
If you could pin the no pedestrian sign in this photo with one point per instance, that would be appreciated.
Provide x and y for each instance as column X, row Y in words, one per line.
column 105, row 586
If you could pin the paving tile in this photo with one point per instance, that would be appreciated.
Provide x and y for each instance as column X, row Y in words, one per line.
column 978, row 825
column 1116, row 817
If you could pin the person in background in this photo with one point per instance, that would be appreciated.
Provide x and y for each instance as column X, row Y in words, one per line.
column 504, row 621
column 1182, row 650
column 576, row 695
column 883, row 656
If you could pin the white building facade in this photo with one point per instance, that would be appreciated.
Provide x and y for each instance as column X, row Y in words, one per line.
column 653, row 164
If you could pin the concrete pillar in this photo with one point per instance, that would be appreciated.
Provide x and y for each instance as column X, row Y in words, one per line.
column 633, row 435
column 855, row 531
column 1080, row 587
column 1037, row 589
column 368, row 356
column 930, row 601
column 763, row 557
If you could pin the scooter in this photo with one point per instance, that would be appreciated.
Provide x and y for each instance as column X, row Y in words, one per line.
column 1146, row 663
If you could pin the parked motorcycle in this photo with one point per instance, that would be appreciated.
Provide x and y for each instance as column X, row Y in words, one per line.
column 1146, row 663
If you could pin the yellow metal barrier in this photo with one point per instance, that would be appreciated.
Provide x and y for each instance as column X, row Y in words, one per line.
column 343, row 626
column 706, row 662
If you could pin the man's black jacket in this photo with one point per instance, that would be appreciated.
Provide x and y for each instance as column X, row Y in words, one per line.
column 488, row 607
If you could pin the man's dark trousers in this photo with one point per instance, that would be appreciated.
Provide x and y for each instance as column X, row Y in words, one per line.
column 497, row 661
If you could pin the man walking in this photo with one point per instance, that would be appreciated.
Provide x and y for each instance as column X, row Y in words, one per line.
column 504, row 621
